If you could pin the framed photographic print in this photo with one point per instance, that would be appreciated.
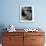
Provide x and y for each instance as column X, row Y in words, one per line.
column 26, row 13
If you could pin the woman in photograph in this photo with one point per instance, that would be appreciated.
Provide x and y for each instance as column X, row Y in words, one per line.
column 27, row 13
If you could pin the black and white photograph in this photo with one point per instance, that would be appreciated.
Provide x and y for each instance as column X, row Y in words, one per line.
column 26, row 13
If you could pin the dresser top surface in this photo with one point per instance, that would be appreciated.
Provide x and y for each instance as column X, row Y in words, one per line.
column 22, row 30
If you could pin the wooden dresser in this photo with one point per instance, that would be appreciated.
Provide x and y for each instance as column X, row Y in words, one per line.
column 23, row 38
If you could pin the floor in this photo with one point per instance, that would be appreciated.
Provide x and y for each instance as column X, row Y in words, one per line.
column 0, row 44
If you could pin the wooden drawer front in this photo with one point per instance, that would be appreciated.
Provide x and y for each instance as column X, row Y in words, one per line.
column 33, row 33
column 37, row 45
column 37, row 39
column 14, row 40
column 12, row 44
column 27, row 41
column 33, row 40
column 13, row 33
column 5, row 40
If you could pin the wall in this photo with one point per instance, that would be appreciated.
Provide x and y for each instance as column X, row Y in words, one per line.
column 9, row 13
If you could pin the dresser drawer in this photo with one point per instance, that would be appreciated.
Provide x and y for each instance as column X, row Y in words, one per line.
column 37, row 39
column 37, row 44
column 13, row 33
column 13, row 44
column 34, row 33
column 12, row 39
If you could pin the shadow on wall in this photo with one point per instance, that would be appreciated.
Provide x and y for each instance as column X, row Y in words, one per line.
column 2, row 26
